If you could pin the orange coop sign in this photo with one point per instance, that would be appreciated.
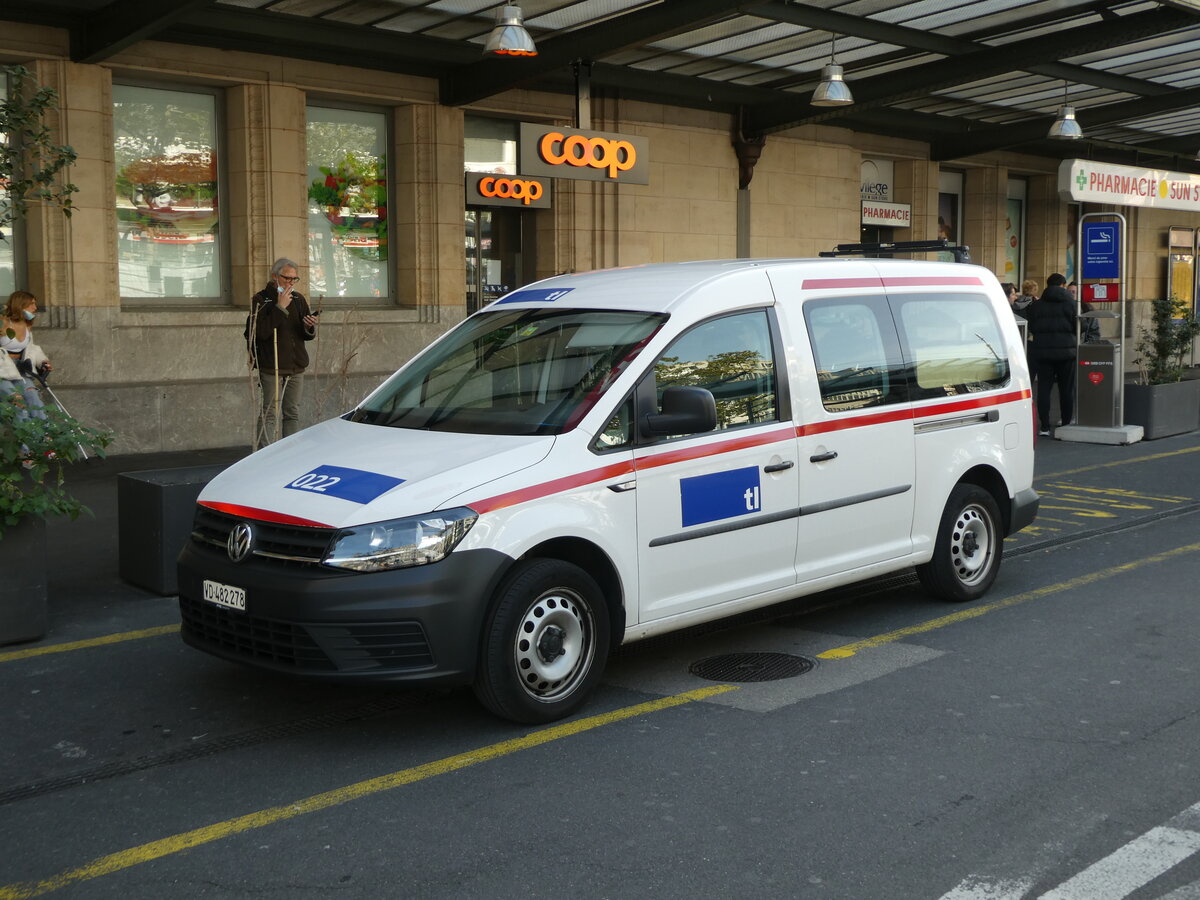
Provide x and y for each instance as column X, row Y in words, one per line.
column 487, row 189
column 554, row 151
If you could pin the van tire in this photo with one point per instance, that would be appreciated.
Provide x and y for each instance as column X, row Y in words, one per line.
column 545, row 643
column 969, row 545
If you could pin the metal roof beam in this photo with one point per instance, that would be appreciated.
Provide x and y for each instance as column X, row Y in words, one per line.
column 300, row 37
column 486, row 77
column 125, row 22
column 985, row 62
column 997, row 137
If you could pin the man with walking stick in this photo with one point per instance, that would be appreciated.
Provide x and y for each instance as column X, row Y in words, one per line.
column 279, row 323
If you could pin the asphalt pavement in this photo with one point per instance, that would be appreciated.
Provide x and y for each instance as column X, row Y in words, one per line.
column 1042, row 737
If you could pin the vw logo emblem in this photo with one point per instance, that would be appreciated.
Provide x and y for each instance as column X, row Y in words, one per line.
column 239, row 542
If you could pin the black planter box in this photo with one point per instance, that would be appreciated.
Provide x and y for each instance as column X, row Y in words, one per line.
column 23, row 589
column 1163, row 409
column 154, row 518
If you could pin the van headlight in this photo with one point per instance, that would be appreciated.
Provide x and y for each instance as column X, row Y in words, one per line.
column 399, row 543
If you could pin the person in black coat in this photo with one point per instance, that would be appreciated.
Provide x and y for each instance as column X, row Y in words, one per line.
column 1052, row 349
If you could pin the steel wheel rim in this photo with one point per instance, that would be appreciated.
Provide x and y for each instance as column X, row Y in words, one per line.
column 554, row 645
column 971, row 543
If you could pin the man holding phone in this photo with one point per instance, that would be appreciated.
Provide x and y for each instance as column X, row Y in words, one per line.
column 280, row 323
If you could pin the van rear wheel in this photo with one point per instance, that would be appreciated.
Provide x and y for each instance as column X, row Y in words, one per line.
column 970, row 542
column 545, row 643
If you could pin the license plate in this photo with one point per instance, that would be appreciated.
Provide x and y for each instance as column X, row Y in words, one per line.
column 225, row 595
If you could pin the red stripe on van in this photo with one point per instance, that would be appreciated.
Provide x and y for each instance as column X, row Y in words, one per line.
column 536, row 491
column 569, row 482
column 824, row 284
column 892, row 415
column 261, row 515
column 651, row 461
column 930, row 280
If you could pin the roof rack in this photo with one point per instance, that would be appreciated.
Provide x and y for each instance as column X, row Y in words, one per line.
column 962, row 253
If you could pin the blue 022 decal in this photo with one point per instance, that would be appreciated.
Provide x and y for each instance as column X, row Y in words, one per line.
column 354, row 485
column 544, row 295
column 722, row 495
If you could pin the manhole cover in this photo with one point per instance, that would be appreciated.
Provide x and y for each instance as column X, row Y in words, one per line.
column 744, row 667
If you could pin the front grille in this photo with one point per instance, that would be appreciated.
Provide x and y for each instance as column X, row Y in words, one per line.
column 391, row 646
column 296, row 545
column 264, row 640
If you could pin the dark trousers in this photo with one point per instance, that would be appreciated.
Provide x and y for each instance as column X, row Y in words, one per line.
column 1049, row 373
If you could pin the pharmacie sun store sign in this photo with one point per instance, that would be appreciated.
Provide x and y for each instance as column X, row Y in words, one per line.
column 554, row 151
column 1084, row 181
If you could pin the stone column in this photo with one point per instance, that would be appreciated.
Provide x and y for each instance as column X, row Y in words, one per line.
column 72, row 262
column 917, row 185
column 426, row 233
column 985, row 191
column 265, row 183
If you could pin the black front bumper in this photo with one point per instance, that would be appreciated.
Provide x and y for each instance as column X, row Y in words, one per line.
column 420, row 624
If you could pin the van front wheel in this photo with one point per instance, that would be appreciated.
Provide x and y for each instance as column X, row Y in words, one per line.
column 545, row 643
column 970, row 542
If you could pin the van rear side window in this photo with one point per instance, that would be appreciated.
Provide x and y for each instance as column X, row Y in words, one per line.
column 953, row 342
column 858, row 359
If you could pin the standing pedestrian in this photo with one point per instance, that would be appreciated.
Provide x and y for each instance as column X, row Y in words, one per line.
column 1052, row 349
column 1029, row 293
column 279, row 324
column 20, row 357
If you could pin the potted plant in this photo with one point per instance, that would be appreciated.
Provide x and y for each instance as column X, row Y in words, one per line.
column 32, row 450
column 1161, row 400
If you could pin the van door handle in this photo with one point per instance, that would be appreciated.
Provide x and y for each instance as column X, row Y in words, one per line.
column 779, row 467
column 823, row 457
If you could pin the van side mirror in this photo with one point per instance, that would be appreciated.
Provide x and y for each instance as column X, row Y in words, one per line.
column 686, row 410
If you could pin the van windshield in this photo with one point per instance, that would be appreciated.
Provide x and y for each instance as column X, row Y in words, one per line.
column 513, row 372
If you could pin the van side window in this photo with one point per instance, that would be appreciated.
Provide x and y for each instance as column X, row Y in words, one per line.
column 954, row 344
column 856, row 352
column 732, row 357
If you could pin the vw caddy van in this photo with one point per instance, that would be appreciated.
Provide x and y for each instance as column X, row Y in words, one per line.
column 601, row 457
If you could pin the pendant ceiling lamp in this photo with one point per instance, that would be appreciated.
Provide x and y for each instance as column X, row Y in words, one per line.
column 1065, row 128
column 509, row 37
column 833, row 90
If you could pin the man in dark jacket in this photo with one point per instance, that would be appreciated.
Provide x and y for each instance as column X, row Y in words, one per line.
column 1052, row 348
column 280, row 324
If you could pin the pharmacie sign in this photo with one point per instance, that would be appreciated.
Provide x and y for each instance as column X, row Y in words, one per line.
column 554, row 151
column 489, row 189
column 897, row 215
column 1084, row 181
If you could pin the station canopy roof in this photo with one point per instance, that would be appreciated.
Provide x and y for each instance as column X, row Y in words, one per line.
column 966, row 76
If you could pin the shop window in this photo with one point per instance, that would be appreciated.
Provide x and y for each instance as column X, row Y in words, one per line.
column 168, row 216
column 347, row 203
column 8, row 240
column 490, row 145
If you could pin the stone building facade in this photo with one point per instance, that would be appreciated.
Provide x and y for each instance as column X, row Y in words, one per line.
column 167, row 375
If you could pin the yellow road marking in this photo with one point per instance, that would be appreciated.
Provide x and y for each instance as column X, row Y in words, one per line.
column 1119, row 493
column 1120, row 462
column 848, row 650
column 1082, row 511
column 11, row 655
column 115, row 862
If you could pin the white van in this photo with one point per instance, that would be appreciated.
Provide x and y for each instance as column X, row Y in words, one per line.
column 602, row 457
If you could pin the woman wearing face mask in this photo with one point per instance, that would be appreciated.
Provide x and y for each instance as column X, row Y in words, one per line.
column 20, row 357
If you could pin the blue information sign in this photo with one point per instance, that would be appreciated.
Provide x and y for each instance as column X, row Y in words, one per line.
column 1101, row 250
